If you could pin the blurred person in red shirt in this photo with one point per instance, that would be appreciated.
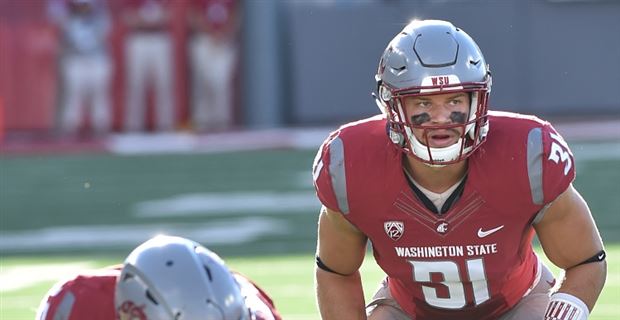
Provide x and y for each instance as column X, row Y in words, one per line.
column 214, row 26
column 164, row 278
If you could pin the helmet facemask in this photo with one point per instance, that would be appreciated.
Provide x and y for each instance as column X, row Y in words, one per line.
column 473, row 129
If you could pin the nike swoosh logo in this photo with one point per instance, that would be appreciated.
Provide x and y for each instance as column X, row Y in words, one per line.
column 482, row 234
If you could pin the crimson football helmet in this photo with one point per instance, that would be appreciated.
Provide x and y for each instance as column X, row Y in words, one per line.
column 433, row 57
column 175, row 278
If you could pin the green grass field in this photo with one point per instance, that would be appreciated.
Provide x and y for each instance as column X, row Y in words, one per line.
column 288, row 279
column 60, row 214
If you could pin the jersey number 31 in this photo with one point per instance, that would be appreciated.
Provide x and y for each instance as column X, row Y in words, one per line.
column 450, row 281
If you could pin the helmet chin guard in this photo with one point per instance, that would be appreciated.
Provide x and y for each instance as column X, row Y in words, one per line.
column 433, row 57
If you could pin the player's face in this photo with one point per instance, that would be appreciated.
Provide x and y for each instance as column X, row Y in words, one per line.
column 448, row 111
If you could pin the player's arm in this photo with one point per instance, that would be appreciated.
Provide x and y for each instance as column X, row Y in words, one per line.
column 569, row 237
column 341, row 248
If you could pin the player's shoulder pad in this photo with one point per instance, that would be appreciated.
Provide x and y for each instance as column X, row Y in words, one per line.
column 329, row 167
column 550, row 163
column 59, row 300
column 549, row 160
column 67, row 295
column 328, row 174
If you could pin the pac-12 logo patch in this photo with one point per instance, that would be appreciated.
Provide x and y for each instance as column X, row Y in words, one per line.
column 394, row 229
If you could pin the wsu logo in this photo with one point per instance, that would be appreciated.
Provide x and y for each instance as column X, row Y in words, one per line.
column 394, row 229
column 441, row 227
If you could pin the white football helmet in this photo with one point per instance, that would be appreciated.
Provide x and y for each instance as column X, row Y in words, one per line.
column 433, row 57
column 169, row 278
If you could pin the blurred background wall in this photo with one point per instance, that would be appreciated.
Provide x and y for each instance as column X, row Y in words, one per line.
column 312, row 62
column 557, row 58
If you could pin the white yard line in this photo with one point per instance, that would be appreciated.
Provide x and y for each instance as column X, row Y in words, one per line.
column 129, row 144
column 207, row 204
column 230, row 231
column 18, row 277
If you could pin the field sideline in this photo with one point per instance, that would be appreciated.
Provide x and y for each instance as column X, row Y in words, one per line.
column 288, row 279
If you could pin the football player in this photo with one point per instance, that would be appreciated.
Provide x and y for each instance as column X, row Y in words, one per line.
column 164, row 278
column 451, row 195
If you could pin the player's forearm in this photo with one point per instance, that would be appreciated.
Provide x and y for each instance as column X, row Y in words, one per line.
column 340, row 297
column 585, row 282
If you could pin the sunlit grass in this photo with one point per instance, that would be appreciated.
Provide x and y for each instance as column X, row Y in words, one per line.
column 288, row 279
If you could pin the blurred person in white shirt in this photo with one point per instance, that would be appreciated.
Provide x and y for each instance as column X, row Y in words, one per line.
column 85, row 65
column 149, row 57
column 213, row 57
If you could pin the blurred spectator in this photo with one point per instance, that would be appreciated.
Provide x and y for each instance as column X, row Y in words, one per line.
column 149, row 56
column 85, row 65
column 213, row 55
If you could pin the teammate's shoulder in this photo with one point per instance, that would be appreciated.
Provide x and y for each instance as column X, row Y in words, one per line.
column 87, row 290
column 106, row 272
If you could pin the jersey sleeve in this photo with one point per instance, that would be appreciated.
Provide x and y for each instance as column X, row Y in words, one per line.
column 558, row 165
column 82, row 297
column 328, row 172
column 50, row 306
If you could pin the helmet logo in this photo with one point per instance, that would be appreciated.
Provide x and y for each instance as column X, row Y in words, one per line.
column 130, row 311
column 448, row 80
column 394, row 229
column 440, row 81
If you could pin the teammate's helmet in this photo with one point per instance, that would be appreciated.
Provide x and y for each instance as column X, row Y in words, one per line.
column 433, row 57
column 175, row 278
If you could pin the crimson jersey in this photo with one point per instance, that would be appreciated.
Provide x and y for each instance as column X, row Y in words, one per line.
column 91, row 296
column 476, row 260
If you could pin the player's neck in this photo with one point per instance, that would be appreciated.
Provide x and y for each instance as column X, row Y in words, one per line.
column 435, row 179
